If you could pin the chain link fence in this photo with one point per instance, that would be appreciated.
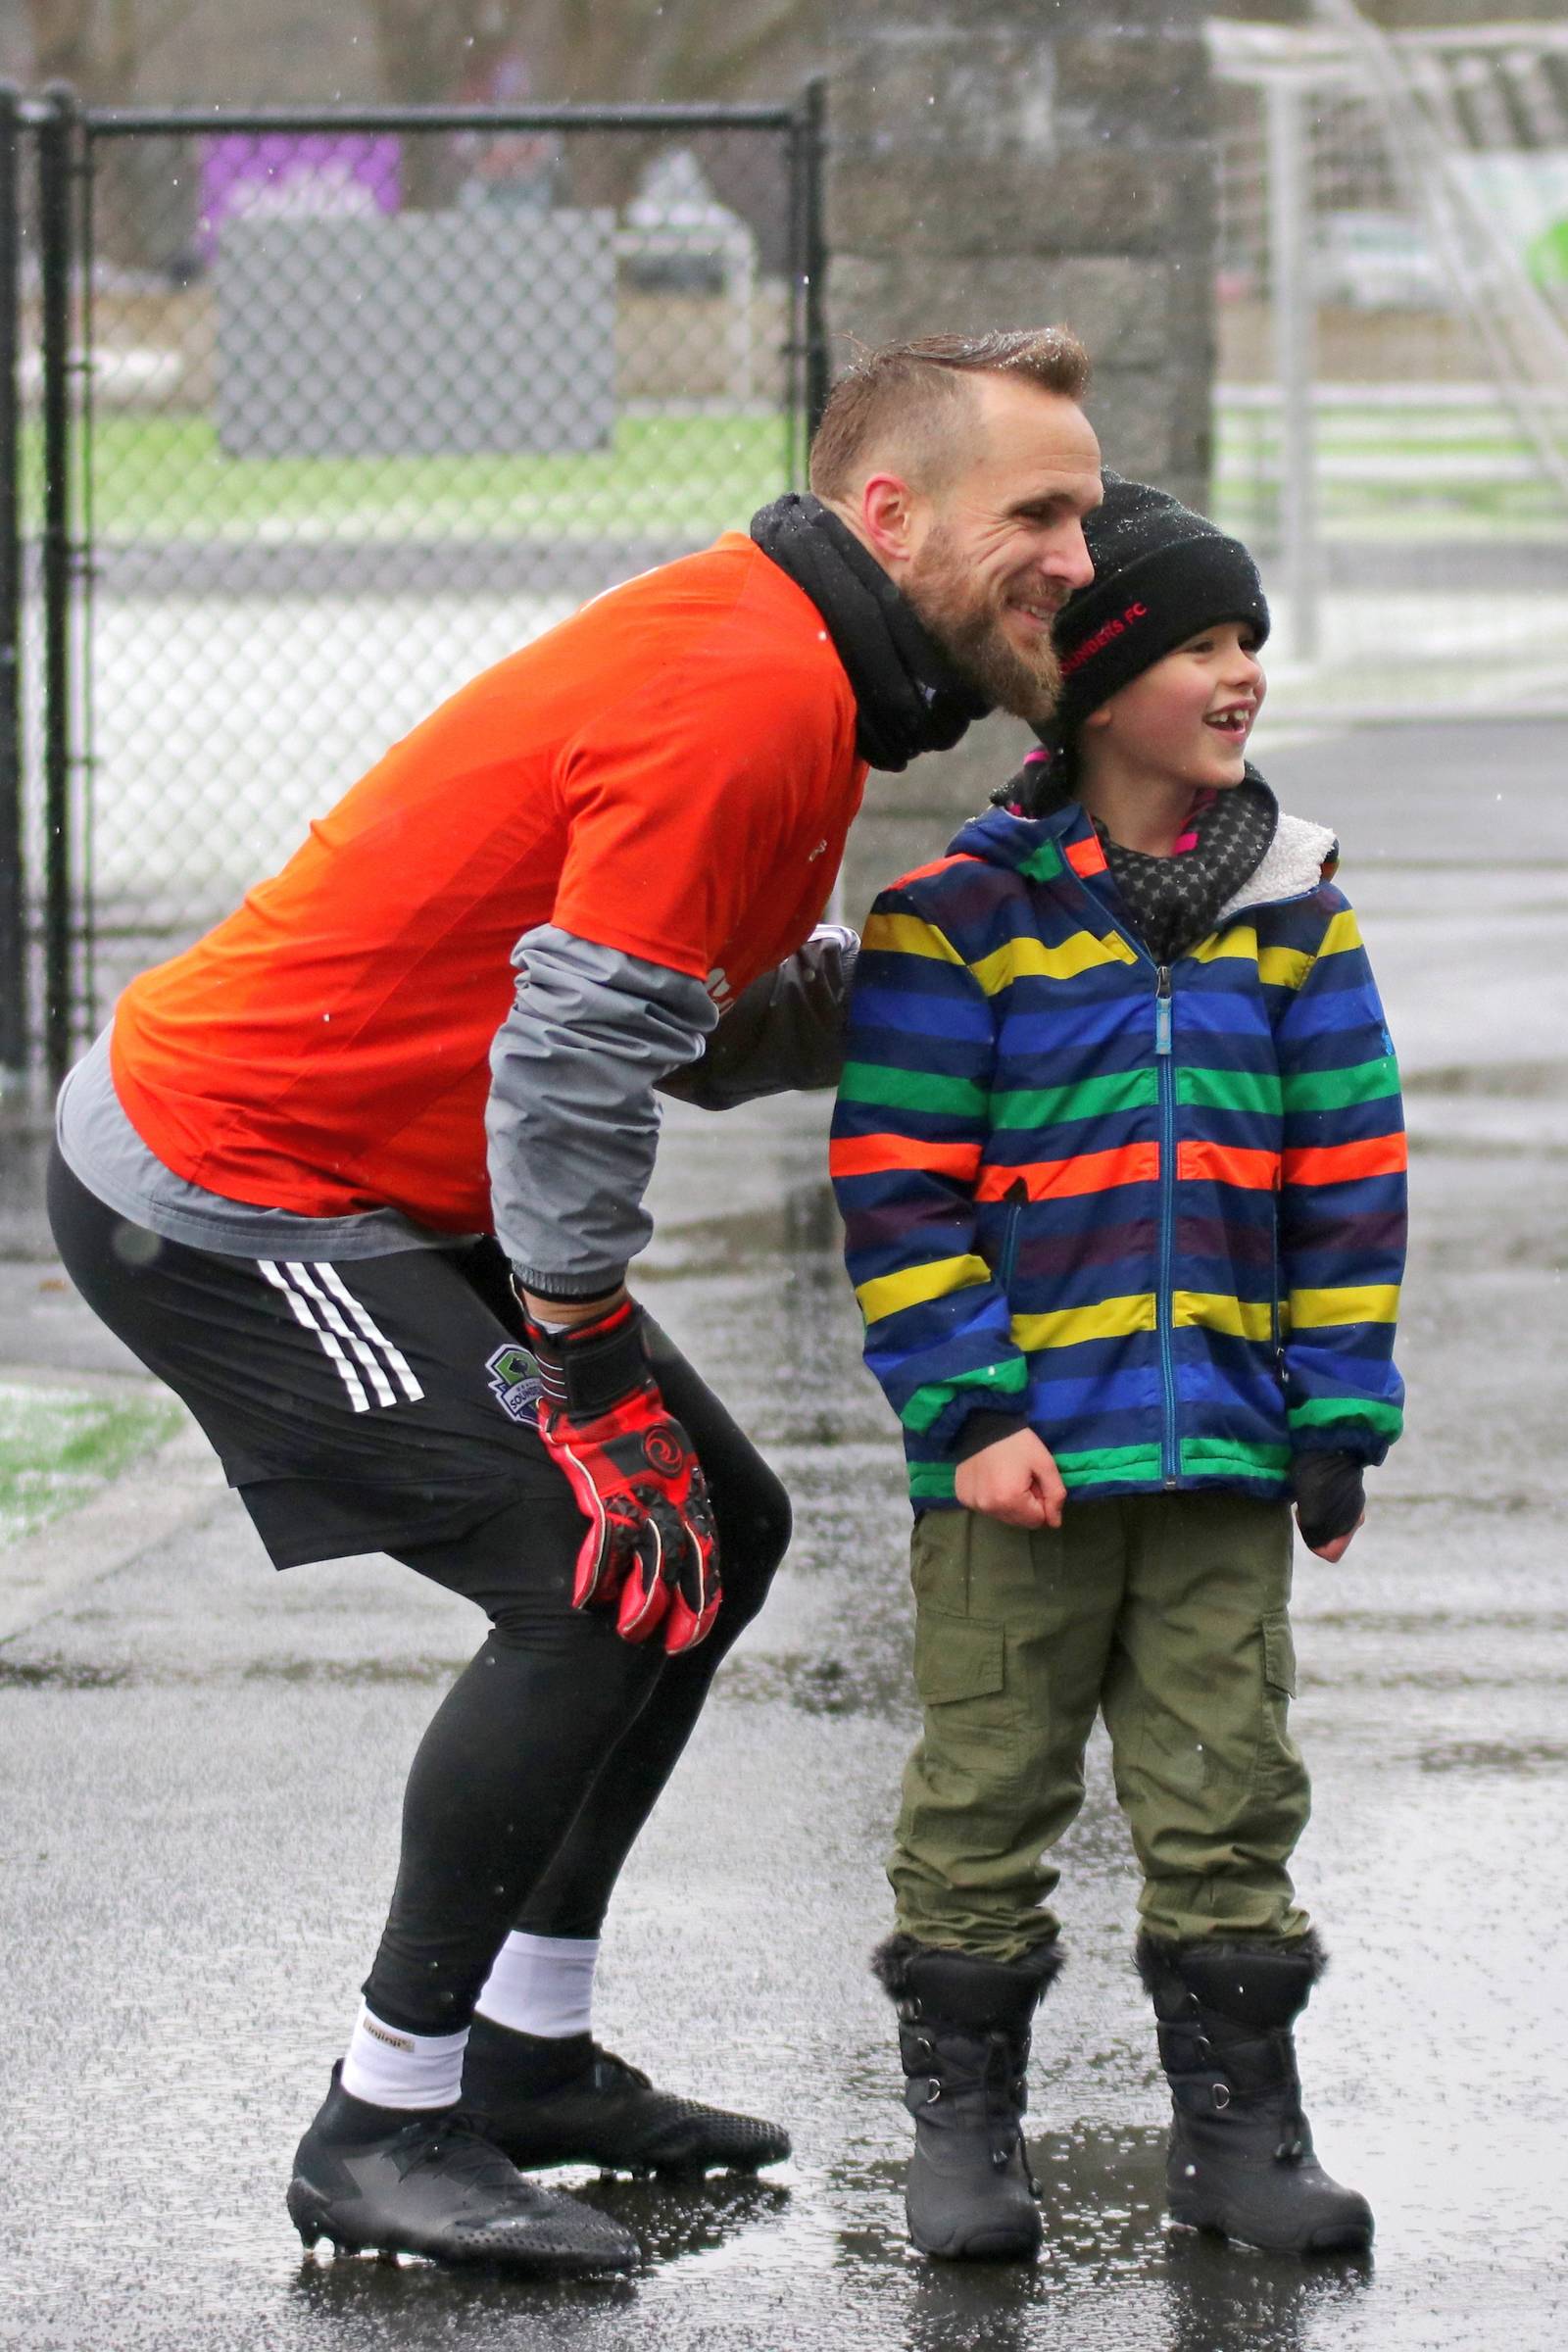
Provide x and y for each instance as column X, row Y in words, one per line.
column 1392, row 406
column 312, row 414
column 341, row 410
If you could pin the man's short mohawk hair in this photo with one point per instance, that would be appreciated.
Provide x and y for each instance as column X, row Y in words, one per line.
column 915, row 389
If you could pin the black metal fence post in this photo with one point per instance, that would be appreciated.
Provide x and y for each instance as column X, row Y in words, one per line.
column 57, row 139
column 818, row 369
column 270, row 435
column 14, row 990
column 808, row 344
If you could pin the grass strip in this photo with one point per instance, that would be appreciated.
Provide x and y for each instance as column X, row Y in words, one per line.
column 167, row 478
column 59, row 1447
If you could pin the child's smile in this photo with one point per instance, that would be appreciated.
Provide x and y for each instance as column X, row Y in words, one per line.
column 1235, row 720
column 1187, row 718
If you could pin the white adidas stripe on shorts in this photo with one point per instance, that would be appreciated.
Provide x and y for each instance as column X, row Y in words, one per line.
column 353, row 1342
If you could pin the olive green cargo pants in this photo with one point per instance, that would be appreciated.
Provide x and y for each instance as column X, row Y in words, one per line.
column 1166, row 1613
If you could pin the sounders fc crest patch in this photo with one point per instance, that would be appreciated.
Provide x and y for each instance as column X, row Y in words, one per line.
column 515, row 1380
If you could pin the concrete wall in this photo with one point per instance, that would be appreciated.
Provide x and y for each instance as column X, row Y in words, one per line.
column 15, row 42
column 1009, row 162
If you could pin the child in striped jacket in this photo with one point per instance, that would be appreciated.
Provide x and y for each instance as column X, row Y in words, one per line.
column 1120, row 1157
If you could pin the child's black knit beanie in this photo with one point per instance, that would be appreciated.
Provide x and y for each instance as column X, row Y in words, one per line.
column 1161, row 574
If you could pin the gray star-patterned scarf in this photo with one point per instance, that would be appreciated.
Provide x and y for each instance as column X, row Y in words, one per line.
column 1172, row 903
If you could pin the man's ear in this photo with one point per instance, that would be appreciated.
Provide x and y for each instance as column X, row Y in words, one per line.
column 888, row 517
column 1100, row 716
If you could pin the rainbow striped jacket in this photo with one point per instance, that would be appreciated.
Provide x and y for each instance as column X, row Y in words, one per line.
column 1158, row 1212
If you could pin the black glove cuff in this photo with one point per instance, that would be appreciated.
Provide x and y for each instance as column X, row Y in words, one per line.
column 593, row 1368
column 1330, row 1494
column 983, row 1428
column 566, row 1289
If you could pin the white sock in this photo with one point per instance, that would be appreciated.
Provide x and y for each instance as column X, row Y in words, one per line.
column 394, row 2069
column 542, row 1984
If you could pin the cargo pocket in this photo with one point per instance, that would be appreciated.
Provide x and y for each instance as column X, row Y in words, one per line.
column 961, row 1671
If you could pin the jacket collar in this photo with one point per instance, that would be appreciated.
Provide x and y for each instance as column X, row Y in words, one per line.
column 1301, row 855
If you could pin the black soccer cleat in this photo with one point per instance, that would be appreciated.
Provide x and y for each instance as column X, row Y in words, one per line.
column 571, row 2103
column 432, row 2184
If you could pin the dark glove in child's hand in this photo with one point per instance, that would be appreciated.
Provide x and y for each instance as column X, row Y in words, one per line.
column 1330, row 1495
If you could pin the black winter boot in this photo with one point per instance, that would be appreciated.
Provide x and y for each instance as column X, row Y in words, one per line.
column 568, row 2102
column 1241, row 2156
column 963, row 2038
column 427, row 2182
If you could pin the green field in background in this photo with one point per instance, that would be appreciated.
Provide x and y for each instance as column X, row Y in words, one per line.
column 1430, row 454
column 155, row 478
column 59, row 1446
column 158, row 477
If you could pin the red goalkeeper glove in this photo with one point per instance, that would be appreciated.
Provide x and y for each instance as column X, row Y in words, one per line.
column 652, row 1550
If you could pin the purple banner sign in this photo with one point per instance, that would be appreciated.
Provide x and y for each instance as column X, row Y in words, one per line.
column 288, row 174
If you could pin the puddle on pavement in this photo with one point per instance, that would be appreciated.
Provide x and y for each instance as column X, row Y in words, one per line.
column 371, row 2302
column 672, row 2222
column 1101, row 2204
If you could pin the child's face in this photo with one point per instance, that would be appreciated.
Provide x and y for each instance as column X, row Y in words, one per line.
column 1187, row 718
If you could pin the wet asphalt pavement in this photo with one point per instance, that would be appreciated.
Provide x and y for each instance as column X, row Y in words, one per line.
column 200, row 1764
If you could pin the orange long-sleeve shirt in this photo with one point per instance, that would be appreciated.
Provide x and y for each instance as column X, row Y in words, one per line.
column 671, row 772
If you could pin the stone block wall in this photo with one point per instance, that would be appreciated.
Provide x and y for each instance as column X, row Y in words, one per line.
column 1001, row 162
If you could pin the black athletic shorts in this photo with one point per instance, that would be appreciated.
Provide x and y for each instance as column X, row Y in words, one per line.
column 357, row 1406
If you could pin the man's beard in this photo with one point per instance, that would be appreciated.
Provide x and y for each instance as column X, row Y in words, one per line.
column 966, row 622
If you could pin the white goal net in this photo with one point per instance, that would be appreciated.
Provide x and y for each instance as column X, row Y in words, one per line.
column 1391, row 407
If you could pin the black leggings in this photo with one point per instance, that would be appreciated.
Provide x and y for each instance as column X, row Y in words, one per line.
column 551, row 1749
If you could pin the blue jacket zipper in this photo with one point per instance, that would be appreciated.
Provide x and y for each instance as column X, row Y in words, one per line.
column 1276, row 1325
column 1164, row 1067
column 1164, row 1063
column 1015, row 1196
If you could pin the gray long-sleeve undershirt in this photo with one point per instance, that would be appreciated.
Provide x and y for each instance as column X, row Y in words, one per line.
column 571, row 1120
column 643, row 1025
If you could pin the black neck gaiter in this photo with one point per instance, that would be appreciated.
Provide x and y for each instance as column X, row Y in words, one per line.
column 907, row 696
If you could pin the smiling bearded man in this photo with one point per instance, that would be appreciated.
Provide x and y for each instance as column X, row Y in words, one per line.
column 360, row 1176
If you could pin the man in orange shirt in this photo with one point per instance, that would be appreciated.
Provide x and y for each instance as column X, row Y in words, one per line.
column 360, row 1173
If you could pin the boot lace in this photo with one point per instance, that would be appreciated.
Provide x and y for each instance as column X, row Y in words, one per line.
column 994, row 2073
column 1193, row 2054
column 456, row 2142
column 618, row 2073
